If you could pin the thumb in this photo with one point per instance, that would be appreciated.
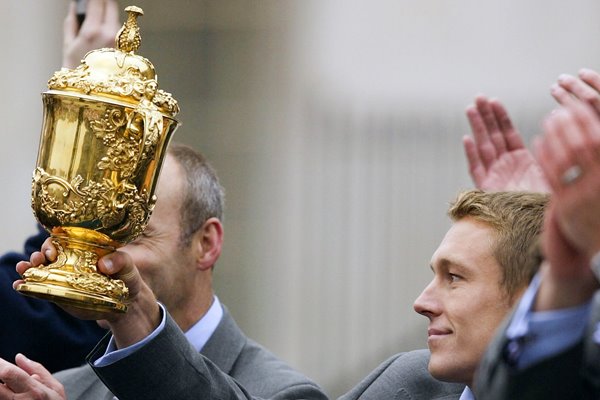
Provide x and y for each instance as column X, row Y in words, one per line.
column 119, row 265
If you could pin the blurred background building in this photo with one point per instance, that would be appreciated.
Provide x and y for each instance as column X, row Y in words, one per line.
column 335, row 126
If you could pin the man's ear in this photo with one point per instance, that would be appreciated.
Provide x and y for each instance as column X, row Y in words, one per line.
column 208, row 242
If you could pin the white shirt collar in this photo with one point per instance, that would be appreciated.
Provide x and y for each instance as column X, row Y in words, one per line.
column 202, row 330
column 467, row 394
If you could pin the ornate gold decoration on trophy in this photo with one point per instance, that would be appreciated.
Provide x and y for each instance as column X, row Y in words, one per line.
column 105, row 131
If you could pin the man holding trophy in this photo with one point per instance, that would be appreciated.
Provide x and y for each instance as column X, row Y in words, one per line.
column 39, row 318
column 94, row 190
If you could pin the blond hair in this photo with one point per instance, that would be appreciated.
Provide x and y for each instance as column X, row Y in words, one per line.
column 517, row 217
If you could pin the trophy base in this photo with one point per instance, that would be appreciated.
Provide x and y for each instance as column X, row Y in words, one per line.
column 71, row 297
column 73, row 279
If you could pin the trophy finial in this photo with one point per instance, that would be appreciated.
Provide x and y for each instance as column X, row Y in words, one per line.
column 119, row 73
column 128, row 38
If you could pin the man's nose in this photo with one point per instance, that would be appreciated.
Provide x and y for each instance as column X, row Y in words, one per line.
column 426, row 304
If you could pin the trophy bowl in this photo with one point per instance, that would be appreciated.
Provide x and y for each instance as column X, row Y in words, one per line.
column 106, row 127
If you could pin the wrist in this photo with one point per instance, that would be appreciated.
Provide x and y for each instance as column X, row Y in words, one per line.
column 143, row 316
column 558, row 292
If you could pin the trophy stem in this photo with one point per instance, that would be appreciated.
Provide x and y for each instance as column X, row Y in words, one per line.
column 73, row 279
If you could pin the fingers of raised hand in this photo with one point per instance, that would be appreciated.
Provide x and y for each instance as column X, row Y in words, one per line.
column 560, row 94
column 482, row 131
column 478, row 128
column 493, row 125
column 571, row 145
column 111, row 16
column 101, row 22
column 591, row 77
column 553, row 156
column 511, row 138
column 580, row 89
column 476, row 167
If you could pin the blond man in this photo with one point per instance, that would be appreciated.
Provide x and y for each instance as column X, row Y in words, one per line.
column 481, row 268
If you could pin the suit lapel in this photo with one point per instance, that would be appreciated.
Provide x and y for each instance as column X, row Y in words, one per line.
column 223, row 348
column 592, row 349
column 226, row 343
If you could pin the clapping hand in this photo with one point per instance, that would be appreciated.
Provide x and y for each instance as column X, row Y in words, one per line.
column 496, row 154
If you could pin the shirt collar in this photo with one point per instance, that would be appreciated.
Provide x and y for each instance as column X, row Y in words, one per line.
column 467, row 394
column 202, row 330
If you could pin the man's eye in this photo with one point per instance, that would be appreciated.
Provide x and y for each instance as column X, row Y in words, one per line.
column 454, row 277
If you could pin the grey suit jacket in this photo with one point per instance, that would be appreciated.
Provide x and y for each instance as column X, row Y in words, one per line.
column 231, row 367
column 572, row 374
column 404, row 377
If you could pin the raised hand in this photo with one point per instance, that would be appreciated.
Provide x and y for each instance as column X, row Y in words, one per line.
column 570, row 157
column 585, row 87
column 569, row 154
column 28, row 380
column 496, row 154
column 98, row 30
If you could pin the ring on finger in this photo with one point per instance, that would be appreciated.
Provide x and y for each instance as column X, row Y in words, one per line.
column 571, row 174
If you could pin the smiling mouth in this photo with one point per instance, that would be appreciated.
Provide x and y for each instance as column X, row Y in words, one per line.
column 436, row 337
column 437, row 333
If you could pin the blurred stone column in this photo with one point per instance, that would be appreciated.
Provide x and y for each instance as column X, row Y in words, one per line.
column 31, row 42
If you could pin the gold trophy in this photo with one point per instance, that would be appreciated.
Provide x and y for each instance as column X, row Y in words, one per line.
column 105, row 131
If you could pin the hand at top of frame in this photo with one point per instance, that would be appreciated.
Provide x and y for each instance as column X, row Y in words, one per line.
column 497, row 157
column 98, row 30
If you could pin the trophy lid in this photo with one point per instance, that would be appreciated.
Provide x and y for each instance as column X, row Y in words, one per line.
column 118, row 74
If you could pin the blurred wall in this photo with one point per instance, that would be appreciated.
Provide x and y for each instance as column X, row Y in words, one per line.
column 335, row 127
column 378, row 92
column 31, row 50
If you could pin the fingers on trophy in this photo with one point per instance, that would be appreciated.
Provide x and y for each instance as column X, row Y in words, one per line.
column 105, row 131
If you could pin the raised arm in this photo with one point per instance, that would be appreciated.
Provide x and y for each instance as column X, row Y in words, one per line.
column 548, row 349
column 182, row 372
column 568, row 154
column 496, row 154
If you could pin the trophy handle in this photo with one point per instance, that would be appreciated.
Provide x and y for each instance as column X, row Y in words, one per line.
column 146, row 122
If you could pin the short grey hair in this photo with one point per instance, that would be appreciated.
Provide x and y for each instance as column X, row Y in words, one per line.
column 203, row 195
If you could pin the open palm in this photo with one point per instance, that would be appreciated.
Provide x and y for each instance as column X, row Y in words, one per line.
column 496, row 154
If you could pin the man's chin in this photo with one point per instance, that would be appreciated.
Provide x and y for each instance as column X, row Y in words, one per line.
column 444, row 371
